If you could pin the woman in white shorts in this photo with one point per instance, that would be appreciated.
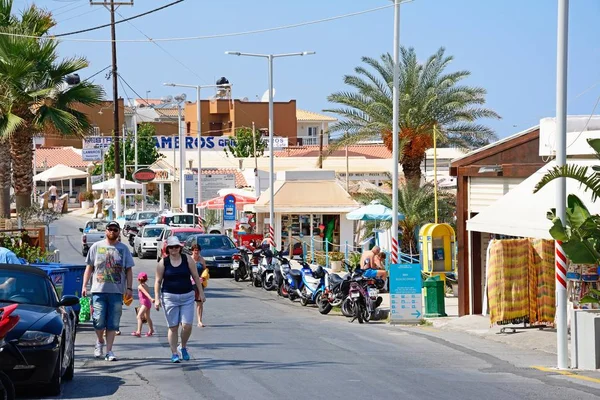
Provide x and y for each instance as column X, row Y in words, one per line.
column 177, row 295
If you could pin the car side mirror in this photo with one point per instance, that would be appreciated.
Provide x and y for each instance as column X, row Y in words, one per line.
column 81, row 230
column 68, row 300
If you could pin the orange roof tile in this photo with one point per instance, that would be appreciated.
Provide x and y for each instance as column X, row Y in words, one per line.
column 240, row 181
column 357, row 150
column 303, row 115
column 58, row 155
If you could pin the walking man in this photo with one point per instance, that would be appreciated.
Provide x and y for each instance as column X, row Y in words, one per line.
column 109, row 263
column 53, row 193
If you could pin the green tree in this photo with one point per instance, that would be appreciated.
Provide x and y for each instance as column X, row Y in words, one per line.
column 36, row 97
column 147, row 152
column 429, row 97
column 416, row 203
column 245, row 144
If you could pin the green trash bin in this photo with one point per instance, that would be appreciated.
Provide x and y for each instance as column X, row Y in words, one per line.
column 434, row 297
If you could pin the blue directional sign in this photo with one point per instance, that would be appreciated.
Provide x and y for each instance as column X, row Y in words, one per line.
column 406, row 302
column 229, row 208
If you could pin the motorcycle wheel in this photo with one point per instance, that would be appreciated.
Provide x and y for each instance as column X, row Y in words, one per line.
column 236, row 275
column 283, row 291
column 292, row 296
column 7, row 389
column 303, row 302
column 324, row 306
column 257, row 282
column 359, row 312
column 347, row 308
column 268, row 283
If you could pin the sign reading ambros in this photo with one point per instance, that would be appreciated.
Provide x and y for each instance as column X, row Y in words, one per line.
column 144, row 175
column 208, row 142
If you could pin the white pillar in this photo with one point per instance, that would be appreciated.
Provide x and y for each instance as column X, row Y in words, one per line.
column 161, row 196
column 70, row 186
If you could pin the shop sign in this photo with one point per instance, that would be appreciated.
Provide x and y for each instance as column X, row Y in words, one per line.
column 191, row 142
column 162, row 175
column 144, row 175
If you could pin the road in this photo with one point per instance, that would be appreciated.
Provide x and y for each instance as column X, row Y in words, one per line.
column 257, row 346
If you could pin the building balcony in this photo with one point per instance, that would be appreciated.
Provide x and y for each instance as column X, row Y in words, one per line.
column 312, row 140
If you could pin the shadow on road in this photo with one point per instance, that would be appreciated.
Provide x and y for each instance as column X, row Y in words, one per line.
column 96, row 386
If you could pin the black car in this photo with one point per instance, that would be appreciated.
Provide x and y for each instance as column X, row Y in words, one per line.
column 217, row 251
column 45, row 334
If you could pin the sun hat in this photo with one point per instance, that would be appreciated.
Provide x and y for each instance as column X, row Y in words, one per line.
column 173, row 241
column 113, row 224
column 142, row 275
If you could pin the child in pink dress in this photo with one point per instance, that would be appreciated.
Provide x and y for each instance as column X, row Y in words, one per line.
column 146, row 302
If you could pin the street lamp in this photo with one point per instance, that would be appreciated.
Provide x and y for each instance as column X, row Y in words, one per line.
column 199, row 127
column 179, row 99
column 270, row 58
column 395, row 129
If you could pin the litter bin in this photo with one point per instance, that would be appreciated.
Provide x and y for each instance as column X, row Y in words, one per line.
column 434, row 297
column 57, row 275
column 72, row 280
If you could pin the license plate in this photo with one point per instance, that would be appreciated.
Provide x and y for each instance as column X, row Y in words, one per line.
column 223, row 265
column 254, row 270
column 355, row 295
column 235, row 265
column 373, row 292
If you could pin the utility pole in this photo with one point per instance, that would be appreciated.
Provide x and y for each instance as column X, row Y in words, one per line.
column 321, row 150
column 112, row 6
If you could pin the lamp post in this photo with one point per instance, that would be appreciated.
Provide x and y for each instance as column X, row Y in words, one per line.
column 199, row 127
column 270, row 58
column 395, row 129
column 179, row 99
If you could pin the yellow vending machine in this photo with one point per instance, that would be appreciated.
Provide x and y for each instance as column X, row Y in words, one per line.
column 437, row 249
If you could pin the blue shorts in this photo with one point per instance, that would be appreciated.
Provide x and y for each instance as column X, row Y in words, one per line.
column 370, row 273
column 108, row 308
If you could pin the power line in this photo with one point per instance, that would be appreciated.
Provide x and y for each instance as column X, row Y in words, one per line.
column 119, row 22
column 216, row 36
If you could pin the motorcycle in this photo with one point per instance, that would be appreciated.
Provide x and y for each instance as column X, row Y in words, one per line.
column 306, row 284
column 364, row 298
column 336, row 291
column 11, row 355
column 281, row 274
column 131, row 234
column 240, row 269
column 266, row 271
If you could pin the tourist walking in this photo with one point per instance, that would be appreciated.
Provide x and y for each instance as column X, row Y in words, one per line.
column 176, row 295
column 109, row 263
column 203, row 272
column 143, row 313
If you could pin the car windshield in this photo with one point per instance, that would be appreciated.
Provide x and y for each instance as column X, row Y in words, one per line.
column 215, row 242
column 23, row 288
column 152, row 232
column 183, row 219
column 182, row 236
column 99, row 225
column 147, row 215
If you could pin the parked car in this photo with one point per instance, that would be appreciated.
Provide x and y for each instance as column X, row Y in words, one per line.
column 145, row 242
column 45, row 333
column 92, row 233
column 181, row 233
column 138, row 219
column 217, row 251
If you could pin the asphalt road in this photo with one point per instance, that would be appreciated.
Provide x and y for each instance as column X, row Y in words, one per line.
column 257, row 346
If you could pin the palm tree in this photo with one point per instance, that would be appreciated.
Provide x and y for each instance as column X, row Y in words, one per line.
column 416, row 203
column 37, row 97
column 428, row 97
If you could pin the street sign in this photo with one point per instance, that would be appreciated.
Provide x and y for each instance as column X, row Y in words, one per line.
column 278, row 142
column 144, row 175
column 96, row 178
column 406, row 302
column 211, row 184
column 229, row 208
column 91, row 154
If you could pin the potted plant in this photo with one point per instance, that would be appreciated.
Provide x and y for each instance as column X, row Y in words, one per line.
column 87, row 199
column 335, row 260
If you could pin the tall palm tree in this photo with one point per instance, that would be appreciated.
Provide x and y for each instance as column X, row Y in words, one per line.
column 416, row 203
column 429, row 97
column 37, row 97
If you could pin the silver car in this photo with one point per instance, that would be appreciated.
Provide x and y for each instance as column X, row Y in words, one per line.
column 145, row 243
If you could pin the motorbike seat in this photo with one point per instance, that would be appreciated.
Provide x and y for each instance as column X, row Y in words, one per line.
column 335, row 279
column 295, row 273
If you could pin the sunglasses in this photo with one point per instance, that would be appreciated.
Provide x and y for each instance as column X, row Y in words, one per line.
column 112, row 229
column 172, row 247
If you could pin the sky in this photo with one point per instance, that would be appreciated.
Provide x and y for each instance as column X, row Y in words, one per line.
column 509, row 47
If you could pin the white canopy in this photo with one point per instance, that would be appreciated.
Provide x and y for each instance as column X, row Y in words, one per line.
column 111, row 185
column 521, row 212
column 59, row 172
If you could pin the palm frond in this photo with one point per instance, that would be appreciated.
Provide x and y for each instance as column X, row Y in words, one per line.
column 576, row 172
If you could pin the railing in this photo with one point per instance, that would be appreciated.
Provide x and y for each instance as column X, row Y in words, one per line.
column 311, row 140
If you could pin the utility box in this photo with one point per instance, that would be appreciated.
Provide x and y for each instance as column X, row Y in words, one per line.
column 437, row 249
column 586, row 343
column 434, row 297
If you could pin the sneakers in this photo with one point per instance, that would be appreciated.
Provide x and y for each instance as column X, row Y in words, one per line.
column 184, row 353
column 110, row 356
column 175, row 358
column 99, row 350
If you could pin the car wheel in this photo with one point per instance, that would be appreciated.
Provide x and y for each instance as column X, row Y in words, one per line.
column 7, row 389
column 141, row 255
column 70, row 371
column 53, row 387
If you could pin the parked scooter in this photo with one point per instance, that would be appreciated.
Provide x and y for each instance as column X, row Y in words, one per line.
column 241, row 269
column 281, row 274
column 266, row 271
column 336, row 291
column 306, row 284
column 11, row 355
column 364, row 298
column 131, row 234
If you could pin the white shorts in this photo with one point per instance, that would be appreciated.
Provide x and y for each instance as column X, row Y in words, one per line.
column 179, row 308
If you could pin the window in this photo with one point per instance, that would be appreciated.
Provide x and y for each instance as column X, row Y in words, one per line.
column 183, row 236
column 152, row 232
column 215, row 242
column 313, row 130
column 187, row 219
column 148, row 215
column 24, row 288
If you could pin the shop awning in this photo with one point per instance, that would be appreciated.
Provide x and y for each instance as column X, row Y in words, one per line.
column 307, row 197
column 60, row 172
column 523, row 213
column 219, row 202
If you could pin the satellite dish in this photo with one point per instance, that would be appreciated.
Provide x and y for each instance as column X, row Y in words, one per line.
column 245, row 99
column 265, row 96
